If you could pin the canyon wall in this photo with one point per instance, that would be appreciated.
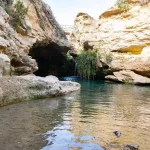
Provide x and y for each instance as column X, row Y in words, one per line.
column 39, row 35
column 37, row 44
column 122, row 38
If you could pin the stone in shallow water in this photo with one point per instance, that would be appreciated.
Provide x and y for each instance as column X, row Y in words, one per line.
column 117, row 133
column 131, row 147
column 70, row 98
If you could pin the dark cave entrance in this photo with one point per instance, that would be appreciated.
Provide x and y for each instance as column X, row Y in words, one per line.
column 50, row 59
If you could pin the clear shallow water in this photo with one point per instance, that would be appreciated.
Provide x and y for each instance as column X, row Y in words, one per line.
column 82, row 120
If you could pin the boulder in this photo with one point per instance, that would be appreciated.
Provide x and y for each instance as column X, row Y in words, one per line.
column 131, row 147
column 23, row 88
column 127, row 76
column 140, row 64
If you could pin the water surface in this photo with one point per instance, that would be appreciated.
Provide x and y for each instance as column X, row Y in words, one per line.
column 82, row 120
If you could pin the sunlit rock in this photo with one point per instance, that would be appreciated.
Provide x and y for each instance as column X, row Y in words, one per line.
column 5, row 67
column 122, row 38
column 23, row 88
column 127, row 76
column 39, row 29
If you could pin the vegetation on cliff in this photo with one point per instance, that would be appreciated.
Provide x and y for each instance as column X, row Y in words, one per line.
column 86, row 67
column 123, row 5
column 17, row 12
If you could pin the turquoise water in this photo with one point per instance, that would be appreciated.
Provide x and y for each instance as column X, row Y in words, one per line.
column 83, row 120
column 91, row 116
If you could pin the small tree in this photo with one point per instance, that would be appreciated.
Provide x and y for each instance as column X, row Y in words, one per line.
column 123, row 5
column 20, row 11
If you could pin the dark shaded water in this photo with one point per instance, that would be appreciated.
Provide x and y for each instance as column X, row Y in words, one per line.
column 83, row 120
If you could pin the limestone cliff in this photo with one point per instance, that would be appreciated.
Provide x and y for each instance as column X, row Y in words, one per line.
column 36, row 43
column 122, row 37
column 39, row 33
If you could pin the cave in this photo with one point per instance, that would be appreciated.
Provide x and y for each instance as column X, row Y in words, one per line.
column 87, row 47
column 49, row 59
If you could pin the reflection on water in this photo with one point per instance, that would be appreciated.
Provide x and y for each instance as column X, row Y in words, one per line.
column 83, row 120
column 61, row 136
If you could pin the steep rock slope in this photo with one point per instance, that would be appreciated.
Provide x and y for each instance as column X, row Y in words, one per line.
column 122, row 37
column 39, row 36
column 39, row 30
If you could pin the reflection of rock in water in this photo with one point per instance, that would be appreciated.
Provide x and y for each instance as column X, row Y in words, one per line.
column 22, row 124
column 112, row 107
column 89, row 114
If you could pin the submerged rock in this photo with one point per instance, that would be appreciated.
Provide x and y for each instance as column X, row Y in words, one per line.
column 24, row 88
column 117, row 133
column 131, row 147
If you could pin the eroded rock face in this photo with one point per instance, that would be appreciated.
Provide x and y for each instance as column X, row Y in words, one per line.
column 5, row 67
column 39, row 29
column 140, row 64
column 121, row 37
column 39, row 36
column 24, row 88
column 128, row 76
column 115, row 30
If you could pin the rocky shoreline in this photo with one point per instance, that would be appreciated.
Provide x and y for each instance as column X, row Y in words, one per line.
column 24, row 88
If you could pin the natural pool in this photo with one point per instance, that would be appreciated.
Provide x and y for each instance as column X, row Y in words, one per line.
column 82, row 120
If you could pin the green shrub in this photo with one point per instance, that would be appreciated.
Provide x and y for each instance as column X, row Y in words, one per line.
column 8, row 10
column 86, row 67
column 68, row 54
column 126, row 81
column 19, row 13
column 123, row 5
